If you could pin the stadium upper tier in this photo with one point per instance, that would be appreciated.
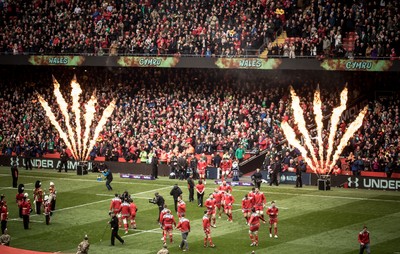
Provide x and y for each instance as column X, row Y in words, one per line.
column 220, row 28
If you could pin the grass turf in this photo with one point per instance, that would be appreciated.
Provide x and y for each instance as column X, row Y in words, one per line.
column 310, row 221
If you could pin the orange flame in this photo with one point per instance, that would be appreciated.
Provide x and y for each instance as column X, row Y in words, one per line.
column 75, row 93
column 53, row 120
column 291, row 138
column 335, row 118
column 106, row 114
column 354, row 126
column 88, row 116
column 318, row 119
column 301, row 123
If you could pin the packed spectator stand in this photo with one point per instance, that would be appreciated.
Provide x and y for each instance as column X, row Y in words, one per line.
column 189, row 111
column 202, row 28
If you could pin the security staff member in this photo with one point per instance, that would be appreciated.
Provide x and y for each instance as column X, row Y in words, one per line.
column 257, row 178
column 64, row 160
column 114, row 229
column 14, row 174
column 191, row 185
column 175, row 193
column 300, row 167
column 275, row 169
column 154, row 166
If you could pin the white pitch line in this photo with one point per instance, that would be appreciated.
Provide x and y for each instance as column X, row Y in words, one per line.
column 19, row 219
column 325, row 196
column 87, row 180
column 96, row 202
column 9, row 188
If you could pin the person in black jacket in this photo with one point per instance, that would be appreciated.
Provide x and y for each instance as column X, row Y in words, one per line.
column 14, row 174
column 275, row 169
column 64, row 160
column 175, row 193
column 300, row 167
column 28, row 156
column 154, row 166
column 193, row 166
column 257, row 178
column 114, row 229
column 191, row 185
column 159, row 201
column 182, row 165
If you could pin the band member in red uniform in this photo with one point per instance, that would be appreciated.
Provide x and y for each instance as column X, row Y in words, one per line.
column 272, row 212
column 363, row 239
column 254, row 226
column 207, row 230
column 125, row 214
column 228, row 203
column 26, row 210
column 225, row 187
column 201, row 168
column 200, row 193
column 210, row 204
column 167, row 222
column 47, row 209
column 184, row 227
column 38, row 197
column 52, row 196
column 181, row 207
column 3, row 213
column 259, row 202
column 133, row 209
column 19, row 198
column 218, row 203
column 247, row 205
column 226, row 166
column 115, row 207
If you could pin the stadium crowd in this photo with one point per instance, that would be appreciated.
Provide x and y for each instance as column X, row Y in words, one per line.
column 321, row 29
column 225, row 28
column 203, row 28
column 186, row 112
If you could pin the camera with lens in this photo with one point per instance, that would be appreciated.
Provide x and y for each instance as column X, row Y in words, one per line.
column 152, row 200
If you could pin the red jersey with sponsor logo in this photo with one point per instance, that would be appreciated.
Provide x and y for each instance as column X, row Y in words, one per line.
column 259, row 199
column 168, row 220
column 254, row 220
column 184, row 225
column 125, row 209
column 225, row 188
column 272, row 212
column 217, row 197
column 229, row 199
column 200, row 188
column 247, row 204
column 181, row 207
column 163, row 212
column 363, row 237
column 206, row 222
column 210, row 203
column 201, row 165
column 115, row 205
column 132, row 208
column 226, row 165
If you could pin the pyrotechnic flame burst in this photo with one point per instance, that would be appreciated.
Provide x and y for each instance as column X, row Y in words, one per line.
column 78, row 146
column 321, row 164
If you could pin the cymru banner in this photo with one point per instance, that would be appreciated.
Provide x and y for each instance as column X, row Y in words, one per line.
column 161, row 62
column 356, row 65
column 248, row 63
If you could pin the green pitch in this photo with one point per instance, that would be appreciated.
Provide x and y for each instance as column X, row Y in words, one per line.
column 310, row 221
